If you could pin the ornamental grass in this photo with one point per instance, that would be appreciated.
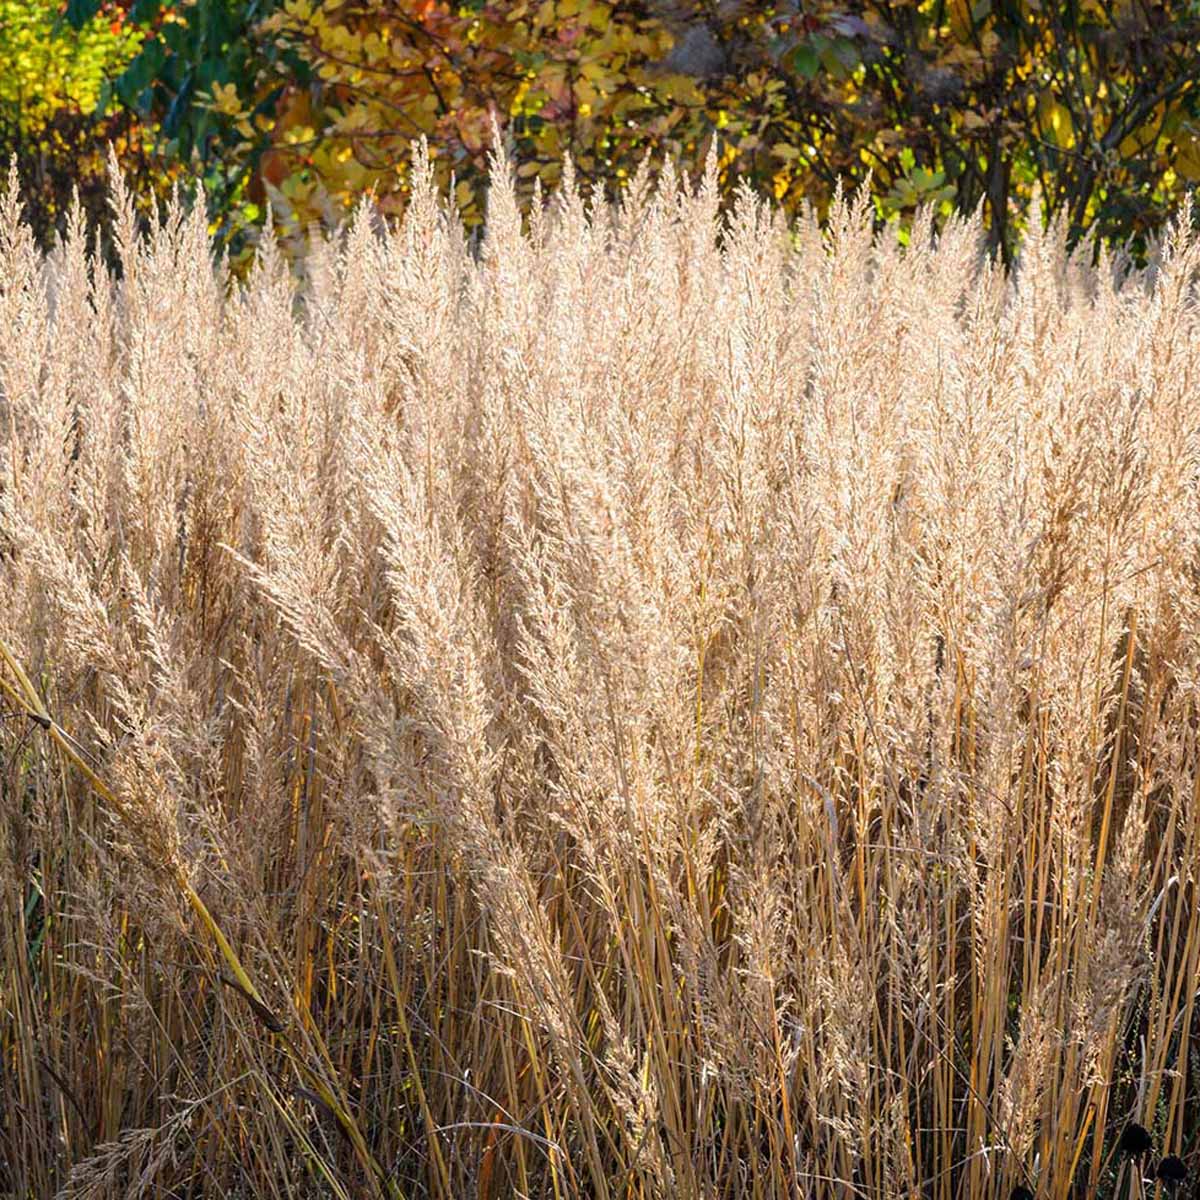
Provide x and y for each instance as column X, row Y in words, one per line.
column 646, row 703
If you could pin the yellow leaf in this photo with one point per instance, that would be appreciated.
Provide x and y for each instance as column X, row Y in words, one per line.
column 598, row 16
column 225, row 99
column 1187, row 161
column 1055, row 120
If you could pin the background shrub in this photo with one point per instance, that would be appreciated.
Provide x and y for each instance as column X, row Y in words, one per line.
column 950, row 103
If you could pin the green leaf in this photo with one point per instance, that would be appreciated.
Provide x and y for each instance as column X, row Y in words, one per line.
column 837, row 55
column 144, row 11
column 176, row 36
column 802, row 60
column 178, row 109
column 134, row 83
column 846, row 53
column 80, row 12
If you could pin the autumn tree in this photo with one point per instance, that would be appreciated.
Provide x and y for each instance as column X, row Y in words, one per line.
column 53, row 83
column 955, row 102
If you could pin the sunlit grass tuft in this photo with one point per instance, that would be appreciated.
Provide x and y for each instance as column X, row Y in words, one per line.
column 653, row 705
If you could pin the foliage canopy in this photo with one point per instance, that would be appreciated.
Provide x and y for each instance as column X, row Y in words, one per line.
column 57, row 65
column 960, row 103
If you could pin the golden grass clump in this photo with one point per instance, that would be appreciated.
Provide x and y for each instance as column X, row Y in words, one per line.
column 651, row 704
